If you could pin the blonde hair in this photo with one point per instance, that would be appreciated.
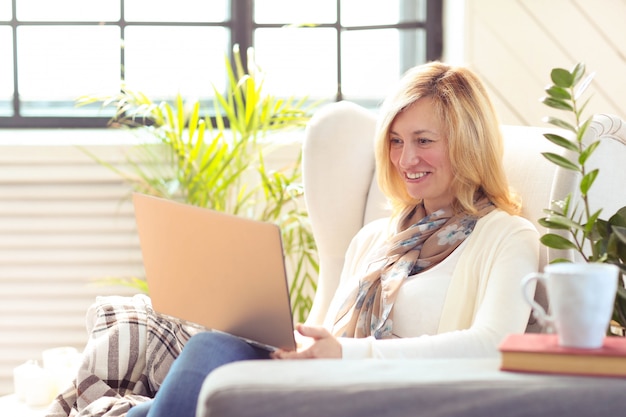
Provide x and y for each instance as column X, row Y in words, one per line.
column 472, row 129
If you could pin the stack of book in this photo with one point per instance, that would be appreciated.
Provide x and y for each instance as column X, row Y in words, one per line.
column 541, row 353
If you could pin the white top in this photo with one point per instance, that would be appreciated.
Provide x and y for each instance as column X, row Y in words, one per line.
column 462, row 307
column 420, row 299
column 419, row 302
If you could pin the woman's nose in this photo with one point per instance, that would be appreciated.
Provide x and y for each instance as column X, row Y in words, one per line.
column 409, row 157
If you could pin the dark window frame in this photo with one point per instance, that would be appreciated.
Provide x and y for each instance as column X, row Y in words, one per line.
column 242, row 26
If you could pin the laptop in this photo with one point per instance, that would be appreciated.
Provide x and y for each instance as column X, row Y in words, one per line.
column 217, row 270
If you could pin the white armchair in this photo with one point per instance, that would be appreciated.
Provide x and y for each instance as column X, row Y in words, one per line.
column 341, row 196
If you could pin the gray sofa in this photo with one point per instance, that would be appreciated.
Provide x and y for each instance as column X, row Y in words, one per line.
column 399, row 388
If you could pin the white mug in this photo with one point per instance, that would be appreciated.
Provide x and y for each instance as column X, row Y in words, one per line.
column 581, row 298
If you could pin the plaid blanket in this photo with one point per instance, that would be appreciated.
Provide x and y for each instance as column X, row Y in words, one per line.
column 129, row 351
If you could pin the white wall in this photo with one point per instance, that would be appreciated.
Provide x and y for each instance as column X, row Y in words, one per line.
column 64, row 223
column 513, row 45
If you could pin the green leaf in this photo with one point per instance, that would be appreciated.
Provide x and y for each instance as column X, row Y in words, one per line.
column 615, row 250
column 180, row 108
column 133, row 282
column 561, row 141
column 557, row 221
column 557, row 104
column 582, row 129
column 551, row 225
column 619, row 218
column 581, row 108
column 555, row 241
column 602, row 227
column 562, row 78
column 577, row 72
column 587, row 181
column 593, row 223
column 194, row 119
column 560, row 123
column 561, row 161
column 558, row 93
column 620, row 232
column 619, row 311
column 582, row 87
column 551, row 212
column 560, row 261
column 586, row 153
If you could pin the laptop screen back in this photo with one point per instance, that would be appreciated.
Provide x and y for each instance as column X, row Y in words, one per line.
column 221, row 271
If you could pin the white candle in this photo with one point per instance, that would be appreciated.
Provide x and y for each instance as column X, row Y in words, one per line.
column 63, row 364
column 34, row 385
column 21, row 376
column 41, row 389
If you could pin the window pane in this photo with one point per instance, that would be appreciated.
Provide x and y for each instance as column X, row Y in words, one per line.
column 298, row 61
column 394, row 52
column 176, row 11
column 370, row 63
column 295, row 11
column 164, row 61
column 60, row 63
column 376, row 12
column 68, row 10
column 412, row 48
column 6, row 72
column 5, row 10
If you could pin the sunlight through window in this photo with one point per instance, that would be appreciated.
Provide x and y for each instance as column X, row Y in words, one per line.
column 322, row 49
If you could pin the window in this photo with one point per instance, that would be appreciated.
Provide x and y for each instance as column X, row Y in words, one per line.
column 54, row 52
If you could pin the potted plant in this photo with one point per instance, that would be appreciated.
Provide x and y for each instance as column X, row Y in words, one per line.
column 573, row 225
column 220, row 164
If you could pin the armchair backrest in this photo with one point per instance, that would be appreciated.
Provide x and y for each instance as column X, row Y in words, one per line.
column 342, row 195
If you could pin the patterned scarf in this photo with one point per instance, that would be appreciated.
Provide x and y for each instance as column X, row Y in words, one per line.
column 421, row 242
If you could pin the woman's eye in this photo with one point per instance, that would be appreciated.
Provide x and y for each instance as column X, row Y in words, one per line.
column 395, row 141
column 424, row 141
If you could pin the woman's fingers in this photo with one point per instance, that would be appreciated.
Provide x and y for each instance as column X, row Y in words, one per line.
column 325, row 345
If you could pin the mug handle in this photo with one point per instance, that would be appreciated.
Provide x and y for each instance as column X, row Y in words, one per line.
column 543, row 318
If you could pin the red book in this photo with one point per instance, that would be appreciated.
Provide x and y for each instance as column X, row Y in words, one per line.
column 541, row 353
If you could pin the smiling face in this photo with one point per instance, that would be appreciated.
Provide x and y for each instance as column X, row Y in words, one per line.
column 418, row 150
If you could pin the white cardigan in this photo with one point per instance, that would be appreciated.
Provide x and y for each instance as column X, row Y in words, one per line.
column 483, row 302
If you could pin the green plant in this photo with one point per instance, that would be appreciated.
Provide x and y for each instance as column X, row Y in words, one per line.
column 582, row 230
column 220, row 164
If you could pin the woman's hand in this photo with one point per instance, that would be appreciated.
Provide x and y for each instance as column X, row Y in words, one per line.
column 323, row 345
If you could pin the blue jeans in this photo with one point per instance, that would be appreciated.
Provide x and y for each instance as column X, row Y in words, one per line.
column 178, row 395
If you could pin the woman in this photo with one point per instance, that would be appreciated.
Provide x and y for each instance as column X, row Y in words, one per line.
column 441, row 277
